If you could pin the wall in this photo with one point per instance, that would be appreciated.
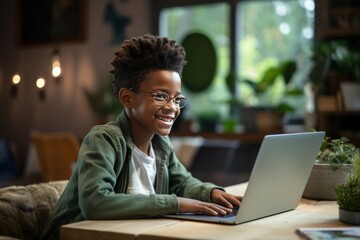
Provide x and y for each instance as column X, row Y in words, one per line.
column 65, row 108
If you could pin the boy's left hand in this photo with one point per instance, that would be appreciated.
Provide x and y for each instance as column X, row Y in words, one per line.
column 225, row 199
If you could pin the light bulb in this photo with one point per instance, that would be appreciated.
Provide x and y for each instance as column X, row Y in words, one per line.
column 40, row 83
column 56, row 67
column 16, row 79
column 55, row 64
column 15, row 82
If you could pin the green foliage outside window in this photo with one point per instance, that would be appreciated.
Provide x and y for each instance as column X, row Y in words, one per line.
column 269, row 32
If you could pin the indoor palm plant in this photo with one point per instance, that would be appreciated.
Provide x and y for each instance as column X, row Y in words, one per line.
column 331, row 166
column 348, row 194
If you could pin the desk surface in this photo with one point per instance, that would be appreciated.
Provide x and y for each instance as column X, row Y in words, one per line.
column 309, row 213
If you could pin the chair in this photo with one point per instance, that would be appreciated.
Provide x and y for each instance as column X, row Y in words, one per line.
column 213, row 161
column 57, row 153
column 224, row 162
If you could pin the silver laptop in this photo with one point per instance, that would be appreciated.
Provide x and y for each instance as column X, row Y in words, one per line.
column 277, row 181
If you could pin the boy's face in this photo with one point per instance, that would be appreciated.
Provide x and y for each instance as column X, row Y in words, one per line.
column 146, row 115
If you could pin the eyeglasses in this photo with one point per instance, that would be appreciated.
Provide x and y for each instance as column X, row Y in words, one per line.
column 162, row 98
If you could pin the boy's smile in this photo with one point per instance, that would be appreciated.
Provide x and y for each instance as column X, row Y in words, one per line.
column 166, row 119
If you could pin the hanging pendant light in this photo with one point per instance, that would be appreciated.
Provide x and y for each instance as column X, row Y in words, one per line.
column 56, row 65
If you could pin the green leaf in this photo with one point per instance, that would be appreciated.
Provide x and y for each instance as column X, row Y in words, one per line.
column 294, row 92
column 251, row 84
column 287, row 70
column 268, row 78
column 284, row 107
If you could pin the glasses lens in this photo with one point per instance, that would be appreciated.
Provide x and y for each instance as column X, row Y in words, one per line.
column 180, row 101
column 161, row 98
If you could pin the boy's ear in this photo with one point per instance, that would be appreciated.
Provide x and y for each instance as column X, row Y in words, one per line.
column 125, row 97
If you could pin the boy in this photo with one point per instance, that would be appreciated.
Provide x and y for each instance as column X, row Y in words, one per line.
column 128, row 168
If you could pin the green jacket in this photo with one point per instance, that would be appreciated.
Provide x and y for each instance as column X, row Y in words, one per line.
column 97, row 187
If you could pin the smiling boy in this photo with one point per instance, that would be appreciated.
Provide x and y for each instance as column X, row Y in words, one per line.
column 127, row 168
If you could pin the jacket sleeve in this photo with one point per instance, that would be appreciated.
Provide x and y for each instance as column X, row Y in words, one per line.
column 102, row 157
column 182, row 183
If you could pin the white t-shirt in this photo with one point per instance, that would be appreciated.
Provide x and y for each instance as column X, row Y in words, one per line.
column 142, row 172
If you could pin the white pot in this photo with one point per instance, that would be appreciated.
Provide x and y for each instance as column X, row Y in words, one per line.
column 323, row 181
column 351, row 95
column 349, row 216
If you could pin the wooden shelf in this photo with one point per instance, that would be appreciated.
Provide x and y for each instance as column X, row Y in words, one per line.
column 340, row 123
column 339, row 18
column 340, row 113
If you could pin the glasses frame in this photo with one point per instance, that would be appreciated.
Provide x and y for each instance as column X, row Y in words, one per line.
column 168, row 98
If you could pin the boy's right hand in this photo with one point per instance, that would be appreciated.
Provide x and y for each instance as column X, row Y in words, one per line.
column 192, row 205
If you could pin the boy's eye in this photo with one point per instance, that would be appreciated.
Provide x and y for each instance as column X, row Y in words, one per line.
column 161, row 97
column 178, row 100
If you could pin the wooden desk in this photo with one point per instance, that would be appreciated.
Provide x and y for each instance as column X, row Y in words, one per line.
column 309, row 213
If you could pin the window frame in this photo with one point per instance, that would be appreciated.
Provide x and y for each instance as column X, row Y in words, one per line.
column 158, row 5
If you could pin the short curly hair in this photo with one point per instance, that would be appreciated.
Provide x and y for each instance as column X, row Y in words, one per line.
column 140, row 55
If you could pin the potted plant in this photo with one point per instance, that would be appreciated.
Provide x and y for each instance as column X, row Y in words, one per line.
column 102, row 102
column 208, row 120
column 269, row 110
column 348, row 195
column 334, row 64
column 331, row 166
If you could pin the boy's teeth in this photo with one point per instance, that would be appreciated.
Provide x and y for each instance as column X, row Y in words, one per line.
column 165, row 119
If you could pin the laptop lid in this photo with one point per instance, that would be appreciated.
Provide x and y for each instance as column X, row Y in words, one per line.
column 277, row 181
column 280, row 173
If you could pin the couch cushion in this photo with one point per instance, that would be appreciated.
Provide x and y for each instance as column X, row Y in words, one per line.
column 24, row 210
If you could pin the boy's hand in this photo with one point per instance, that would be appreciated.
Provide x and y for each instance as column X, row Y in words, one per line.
column 192, row 205
column 225, row 199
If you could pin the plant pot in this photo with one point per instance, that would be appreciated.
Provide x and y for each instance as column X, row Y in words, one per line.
column 323, row 181
column 351, row 97
column 260, row 119
column 349, row 216
column 247, row 118
column 269, row 121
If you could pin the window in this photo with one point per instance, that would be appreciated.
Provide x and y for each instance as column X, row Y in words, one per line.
column 271, row 32
column 177, row 22
column 266, row 33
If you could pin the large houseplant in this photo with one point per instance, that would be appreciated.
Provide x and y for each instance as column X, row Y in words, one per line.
column 348, row 195
column 263, row 86
column 333, row 162
column 269, row 110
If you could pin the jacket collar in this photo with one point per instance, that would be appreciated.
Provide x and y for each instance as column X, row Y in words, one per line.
column 123, row 121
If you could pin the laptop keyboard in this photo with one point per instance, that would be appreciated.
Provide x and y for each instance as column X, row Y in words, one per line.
column 232, row 214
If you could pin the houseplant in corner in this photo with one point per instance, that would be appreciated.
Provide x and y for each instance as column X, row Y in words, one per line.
column 348, row 195
column 331, row 166
column 102, row 101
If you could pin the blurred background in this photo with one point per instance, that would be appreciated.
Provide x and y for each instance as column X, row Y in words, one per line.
column 297, row 60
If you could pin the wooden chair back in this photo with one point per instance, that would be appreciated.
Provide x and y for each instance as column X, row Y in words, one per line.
column 57, row 153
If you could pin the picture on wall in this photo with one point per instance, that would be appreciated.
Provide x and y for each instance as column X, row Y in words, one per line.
column 51, row 21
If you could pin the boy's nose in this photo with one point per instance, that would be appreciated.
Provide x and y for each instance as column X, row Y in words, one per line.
column 172, row 105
